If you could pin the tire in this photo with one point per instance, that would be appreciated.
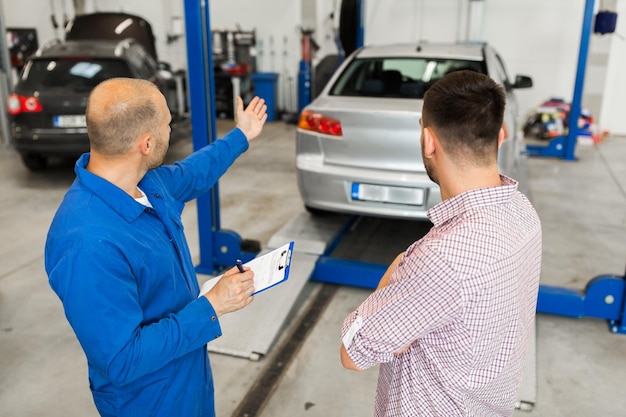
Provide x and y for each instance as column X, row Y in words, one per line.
column 315, row 212
column 250, row 245
column 35, row 161
column 534, row 130
column 323, row 71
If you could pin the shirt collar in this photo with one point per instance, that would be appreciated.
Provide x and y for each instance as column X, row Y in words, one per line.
column 110, row 194
column 459, row 204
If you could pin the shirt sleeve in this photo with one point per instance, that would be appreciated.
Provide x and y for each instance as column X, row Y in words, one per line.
column 101, row 303
column 423, row 294
column 196, row 174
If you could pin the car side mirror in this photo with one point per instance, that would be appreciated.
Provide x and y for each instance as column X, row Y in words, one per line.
column 523, row 81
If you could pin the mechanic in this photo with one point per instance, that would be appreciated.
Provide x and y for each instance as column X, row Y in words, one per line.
column 117, row 257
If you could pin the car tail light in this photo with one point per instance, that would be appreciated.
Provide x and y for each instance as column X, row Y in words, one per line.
column 17, row 104
column 316, row 122
column 14, row 105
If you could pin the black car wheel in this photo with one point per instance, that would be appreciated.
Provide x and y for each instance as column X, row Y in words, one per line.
column 534, row 127
column 35, row 161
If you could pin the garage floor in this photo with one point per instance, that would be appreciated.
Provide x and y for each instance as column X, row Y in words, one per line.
column 581, row 366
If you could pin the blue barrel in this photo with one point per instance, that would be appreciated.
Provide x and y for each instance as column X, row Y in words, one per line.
column 266, row 87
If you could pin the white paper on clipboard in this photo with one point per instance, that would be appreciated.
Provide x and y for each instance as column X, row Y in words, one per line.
column 269, row 269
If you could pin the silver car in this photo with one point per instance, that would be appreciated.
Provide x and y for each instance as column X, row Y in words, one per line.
column 358, row 143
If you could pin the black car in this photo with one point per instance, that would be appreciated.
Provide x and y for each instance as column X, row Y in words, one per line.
column 47, row 106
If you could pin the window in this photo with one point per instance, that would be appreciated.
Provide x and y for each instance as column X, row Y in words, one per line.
column 72, row 73
column 142, row 63
column 501, row 70
column 397, row 77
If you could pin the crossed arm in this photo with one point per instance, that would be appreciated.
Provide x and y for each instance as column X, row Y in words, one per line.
column 346, row 361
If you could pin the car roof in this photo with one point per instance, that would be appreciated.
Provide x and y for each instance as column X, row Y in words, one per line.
column 112, row 26
column 466, row 50
column 90, row 48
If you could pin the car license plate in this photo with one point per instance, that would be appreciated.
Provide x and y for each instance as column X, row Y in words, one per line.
column 72, row 120
column 388, row 194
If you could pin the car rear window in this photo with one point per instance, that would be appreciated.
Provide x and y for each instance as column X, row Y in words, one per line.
column 396, row 77
column 72, row 73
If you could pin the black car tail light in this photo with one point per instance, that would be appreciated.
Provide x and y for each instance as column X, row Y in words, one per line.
column 317, row 122
column 17, row 104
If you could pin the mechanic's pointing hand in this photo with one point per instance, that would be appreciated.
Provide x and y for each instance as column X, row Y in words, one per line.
column 252, row 119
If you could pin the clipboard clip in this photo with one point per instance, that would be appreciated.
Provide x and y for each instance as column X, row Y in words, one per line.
column 285, row 257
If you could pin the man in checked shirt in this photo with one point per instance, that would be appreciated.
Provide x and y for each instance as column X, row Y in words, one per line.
column 451, row 319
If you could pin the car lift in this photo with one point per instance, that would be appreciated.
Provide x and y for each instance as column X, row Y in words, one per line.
column 220, row 248
column 603, row 297
column 317, row 239
column 564, row 146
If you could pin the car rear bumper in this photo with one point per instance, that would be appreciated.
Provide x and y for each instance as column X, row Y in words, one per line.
column 65, row 142
column 330, row 187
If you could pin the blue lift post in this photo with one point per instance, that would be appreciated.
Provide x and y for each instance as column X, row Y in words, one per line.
column 305, row 71
column 564, row 146
column 603, row 298
column 218, row 248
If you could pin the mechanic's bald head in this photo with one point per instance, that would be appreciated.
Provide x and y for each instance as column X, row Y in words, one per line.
column 119, row 111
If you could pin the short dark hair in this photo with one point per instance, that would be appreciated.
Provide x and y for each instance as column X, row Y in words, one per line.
column 466, row 110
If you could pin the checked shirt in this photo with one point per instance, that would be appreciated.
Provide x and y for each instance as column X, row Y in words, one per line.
column 462, row 299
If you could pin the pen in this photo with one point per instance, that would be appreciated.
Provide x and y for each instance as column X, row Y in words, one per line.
column 240, row 266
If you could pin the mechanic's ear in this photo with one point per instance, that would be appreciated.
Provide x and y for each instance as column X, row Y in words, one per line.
column 145, row 144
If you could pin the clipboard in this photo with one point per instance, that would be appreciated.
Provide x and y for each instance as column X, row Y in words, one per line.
column 269, row 269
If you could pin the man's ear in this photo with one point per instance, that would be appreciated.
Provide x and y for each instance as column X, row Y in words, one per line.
column 502, row 135
column 428, row 142
column 146, row 144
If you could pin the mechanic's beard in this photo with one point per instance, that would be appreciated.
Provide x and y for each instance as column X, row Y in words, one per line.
column 158, row 156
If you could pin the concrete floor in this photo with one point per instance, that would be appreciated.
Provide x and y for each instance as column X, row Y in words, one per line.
column 581, row 366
